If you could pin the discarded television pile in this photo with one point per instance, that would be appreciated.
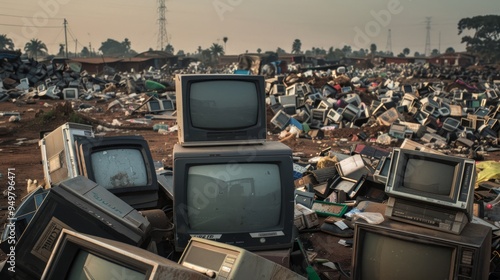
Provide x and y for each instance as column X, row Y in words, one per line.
column 106, row 212
column 236, row 201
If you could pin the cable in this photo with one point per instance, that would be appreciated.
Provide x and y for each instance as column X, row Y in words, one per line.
column 52, row 18
column 24, row 25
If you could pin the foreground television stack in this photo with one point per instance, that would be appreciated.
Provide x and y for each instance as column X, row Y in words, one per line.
column 230, row 184
column 428, row 233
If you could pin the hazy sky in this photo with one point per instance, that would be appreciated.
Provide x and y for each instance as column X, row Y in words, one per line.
column 248, row 24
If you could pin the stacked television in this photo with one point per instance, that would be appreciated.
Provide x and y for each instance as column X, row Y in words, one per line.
column 230, row 184
column 429, row 233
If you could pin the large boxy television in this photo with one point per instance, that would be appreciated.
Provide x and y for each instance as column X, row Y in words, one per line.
column 239, row 195
column 393, row 250
column 123, row 165
column 216, row 109
column 81, row 205
column 80, row 256
column 442, row 184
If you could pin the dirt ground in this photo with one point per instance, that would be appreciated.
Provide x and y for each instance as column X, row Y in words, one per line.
column 20, row 152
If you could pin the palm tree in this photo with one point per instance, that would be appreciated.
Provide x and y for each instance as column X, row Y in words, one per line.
column 259, row 50
column 6, row 43
column 35, row 47
column 224, row 39
column 216, row 50
column 126, row 43
column 297, row 44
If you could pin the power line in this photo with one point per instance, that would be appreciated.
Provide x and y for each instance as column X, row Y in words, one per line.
column 24, row 25
column 16, row 16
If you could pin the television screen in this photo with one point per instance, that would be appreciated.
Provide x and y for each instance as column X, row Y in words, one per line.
column 154, row 105
column 439, row 177
column 236, row 201
column 212, row 101
column 220, row 109
column 70, row 93
column 236, row 195
column 119, row 168
column 391, row 258
column 89, row 266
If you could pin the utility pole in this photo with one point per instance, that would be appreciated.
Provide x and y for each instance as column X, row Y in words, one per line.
column 65, row 37
column 388, row 46
column 76, row 45
column 428, row 37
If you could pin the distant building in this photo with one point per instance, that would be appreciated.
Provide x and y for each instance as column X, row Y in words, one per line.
column 461, row 59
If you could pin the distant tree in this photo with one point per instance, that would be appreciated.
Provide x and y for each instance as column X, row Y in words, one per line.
column 34, row 48
column 449, row 50
column 169, row 49
column 296, row 46
column 61, row 50
column 216, row 50
column 373, row 49
column 417, row 54
column 224, row 39
column 280, row 51
column 435, row 52
column 6, row 43
column 199, row 49
column 259, row 50
column 485, row 43
column 113, row 48
column 406, row 51
column 347, row 50
column 85, row 52
column 181, row 53
column 126, row 44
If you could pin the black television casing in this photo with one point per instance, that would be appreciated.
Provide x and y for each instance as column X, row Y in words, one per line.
column 195, row 136
column 139, row 197
column 81, row 205
column 279, row 237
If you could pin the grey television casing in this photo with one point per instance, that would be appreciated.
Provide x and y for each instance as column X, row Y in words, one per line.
column 58, row 151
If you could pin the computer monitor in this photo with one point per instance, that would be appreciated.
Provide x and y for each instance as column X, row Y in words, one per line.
column 81, row 205
column 231, row 262
column 394, row 250
column 123, row 165
column 242, row 197
column 281, row 119
column 154, row 105
column 446, row 192
column 220, row 109
column 80, row 256
column 70, row 93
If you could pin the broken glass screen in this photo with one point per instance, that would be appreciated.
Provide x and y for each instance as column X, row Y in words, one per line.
column 119, row 168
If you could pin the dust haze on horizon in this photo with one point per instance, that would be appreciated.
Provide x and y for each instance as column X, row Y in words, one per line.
column 248, row 25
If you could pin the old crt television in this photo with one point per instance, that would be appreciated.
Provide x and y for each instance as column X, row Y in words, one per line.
column 393, row 250
column 81, row 256
column 70, row 93
column 242, row 196
column 81, row 205
column 441, row 184
column 222, row 261
column 123, row 165
column 220, row 109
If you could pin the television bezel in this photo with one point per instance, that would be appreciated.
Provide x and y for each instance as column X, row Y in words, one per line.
column 131, row 195
column 279, row 237
column 460, row 198
column 189, row 135
column 474, row 237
